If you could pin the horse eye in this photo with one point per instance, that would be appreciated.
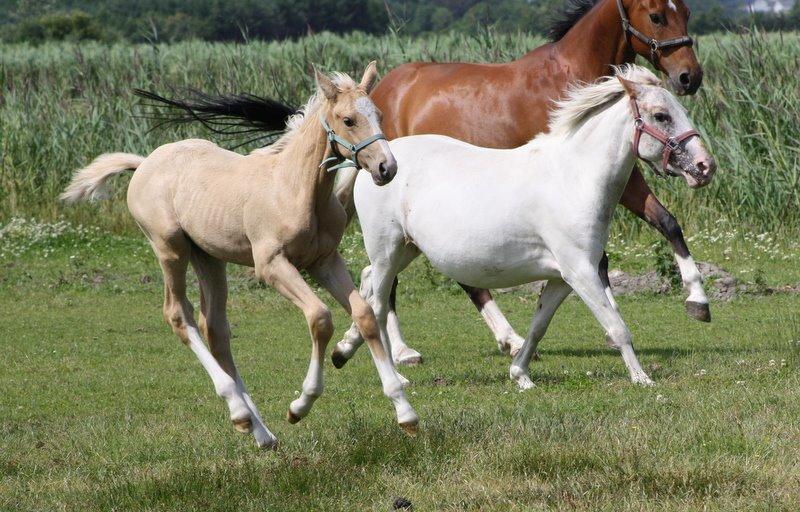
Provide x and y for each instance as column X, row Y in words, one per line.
column 349, row 122
column 656, row 19
column 662, row 118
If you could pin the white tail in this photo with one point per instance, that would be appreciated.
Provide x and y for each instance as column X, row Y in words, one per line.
column 90, row 183
column 345, row 183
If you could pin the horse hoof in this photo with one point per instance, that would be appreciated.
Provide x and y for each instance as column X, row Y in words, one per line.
column 698, row 310
column 268, row 444
column 338, row 359
column 244, row 425
column 410, row 361
column 292, row 417
column 410, row 428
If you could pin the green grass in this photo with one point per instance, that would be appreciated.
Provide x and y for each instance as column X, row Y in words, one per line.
column 63, row 104
column 103, row 409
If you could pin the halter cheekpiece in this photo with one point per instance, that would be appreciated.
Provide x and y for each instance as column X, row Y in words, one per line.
column 671, row 144
column 334, row 141
column 655, row 45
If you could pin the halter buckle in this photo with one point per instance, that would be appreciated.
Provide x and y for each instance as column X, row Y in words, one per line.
column 672, row 144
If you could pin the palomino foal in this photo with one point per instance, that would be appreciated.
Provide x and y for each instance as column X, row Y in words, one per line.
column 494, row 218
column 273, row 210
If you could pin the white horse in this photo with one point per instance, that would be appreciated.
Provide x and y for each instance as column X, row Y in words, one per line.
column 542, row 213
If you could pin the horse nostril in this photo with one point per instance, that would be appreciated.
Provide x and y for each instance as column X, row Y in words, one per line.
column 383, row 171
column 685, row 79
column 706, row 167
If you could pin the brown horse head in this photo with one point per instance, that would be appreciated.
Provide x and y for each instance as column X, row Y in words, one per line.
column 355, row 121
column 665, row 21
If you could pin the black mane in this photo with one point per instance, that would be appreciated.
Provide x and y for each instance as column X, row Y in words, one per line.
column 568, row 16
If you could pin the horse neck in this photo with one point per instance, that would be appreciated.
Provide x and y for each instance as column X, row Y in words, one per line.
column 604, row 143
column 595, row 43
column 301, row 160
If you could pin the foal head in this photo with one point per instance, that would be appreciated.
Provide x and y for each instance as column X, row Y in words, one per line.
column 665, row 22
column 664, row 136
column 352, row 115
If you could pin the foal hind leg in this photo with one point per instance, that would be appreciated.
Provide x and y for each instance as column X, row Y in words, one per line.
column 402, row 354
column 173, row 254
column 553, row 294
column 214, row 326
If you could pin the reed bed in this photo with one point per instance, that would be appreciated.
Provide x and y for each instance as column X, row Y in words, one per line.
column 63, row 104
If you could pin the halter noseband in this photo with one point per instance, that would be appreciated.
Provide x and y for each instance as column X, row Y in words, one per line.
column 334, row 141
column 670, row 143
column 654, row 44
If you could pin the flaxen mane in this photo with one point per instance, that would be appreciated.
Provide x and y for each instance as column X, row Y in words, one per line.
column 582, row 100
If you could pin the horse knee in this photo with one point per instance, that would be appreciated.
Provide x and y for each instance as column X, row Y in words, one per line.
column 619, row 338
column 320, row 321
column 364, row 317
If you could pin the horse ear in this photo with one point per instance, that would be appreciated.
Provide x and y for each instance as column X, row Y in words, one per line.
column 325, row 84
column 370, row 77
column 632, row 89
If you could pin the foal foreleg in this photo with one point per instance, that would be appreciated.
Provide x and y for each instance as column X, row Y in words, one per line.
column 640, row 200
column 508, row 341
column 286, row 279
column 587, row 284
column 553, row 294
column 402, row 354
column 333, row 275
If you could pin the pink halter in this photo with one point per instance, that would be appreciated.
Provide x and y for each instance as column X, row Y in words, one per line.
column 670, row 143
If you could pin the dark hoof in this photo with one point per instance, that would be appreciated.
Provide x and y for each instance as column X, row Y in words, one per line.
column 338, row 359
column 698, row 311
column 410, row 428
column 292, row 417
column 245, row 426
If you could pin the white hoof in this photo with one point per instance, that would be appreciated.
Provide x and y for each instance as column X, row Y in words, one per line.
column 521, row 377
column 525, row 383
column 407, row 357
column 642, row 380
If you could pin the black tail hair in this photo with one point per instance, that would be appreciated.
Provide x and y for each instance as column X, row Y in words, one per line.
column 231, row 115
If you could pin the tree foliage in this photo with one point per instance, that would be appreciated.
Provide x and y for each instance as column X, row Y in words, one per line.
column 238, row 20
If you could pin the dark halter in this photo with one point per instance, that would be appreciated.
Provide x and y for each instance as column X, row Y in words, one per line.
column 655, row 45
column 670, row 143
column 335, row 141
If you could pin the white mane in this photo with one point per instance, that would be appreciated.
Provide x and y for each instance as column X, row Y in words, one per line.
column 342, row 82
column 583, row 100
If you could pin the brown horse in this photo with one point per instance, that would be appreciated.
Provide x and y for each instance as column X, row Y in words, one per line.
column 506, row 105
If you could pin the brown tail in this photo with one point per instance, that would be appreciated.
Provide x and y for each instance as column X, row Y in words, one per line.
column 90, row 183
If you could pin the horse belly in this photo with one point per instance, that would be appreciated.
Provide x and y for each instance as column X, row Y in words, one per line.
column 486, row 258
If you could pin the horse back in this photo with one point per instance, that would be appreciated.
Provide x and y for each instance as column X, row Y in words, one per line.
column 488, row 105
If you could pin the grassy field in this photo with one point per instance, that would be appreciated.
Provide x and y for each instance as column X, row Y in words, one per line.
column 61, row 105
column 103, row 409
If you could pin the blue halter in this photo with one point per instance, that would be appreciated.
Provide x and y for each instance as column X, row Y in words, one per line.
column 338, row 159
